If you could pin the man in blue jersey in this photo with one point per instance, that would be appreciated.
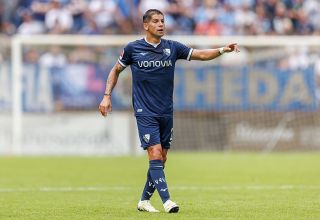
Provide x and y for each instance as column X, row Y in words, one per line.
column 152, row 61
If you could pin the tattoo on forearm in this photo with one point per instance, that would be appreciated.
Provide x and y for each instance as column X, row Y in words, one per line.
column 112, row 81
column 109, row 86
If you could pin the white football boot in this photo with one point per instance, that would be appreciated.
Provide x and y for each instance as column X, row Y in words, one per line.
column 170, row 206
column 146, row 206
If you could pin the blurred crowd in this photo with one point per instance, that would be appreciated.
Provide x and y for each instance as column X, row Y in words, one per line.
column 200, row 17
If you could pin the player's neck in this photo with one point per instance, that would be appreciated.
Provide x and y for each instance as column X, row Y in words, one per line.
column 152, row 39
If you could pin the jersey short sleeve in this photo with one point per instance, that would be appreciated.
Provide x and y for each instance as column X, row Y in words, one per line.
column 125, row 59
column 183, row 52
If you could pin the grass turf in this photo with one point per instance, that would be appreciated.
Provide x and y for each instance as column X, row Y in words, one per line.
column 206, row 186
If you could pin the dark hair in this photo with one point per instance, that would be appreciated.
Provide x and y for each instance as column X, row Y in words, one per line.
column 148, row 14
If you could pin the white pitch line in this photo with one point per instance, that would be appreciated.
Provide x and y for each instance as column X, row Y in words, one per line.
column 248, row 187
column 181, row 188
column 64, row 189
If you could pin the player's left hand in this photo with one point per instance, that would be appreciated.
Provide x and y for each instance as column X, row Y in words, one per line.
column 231, row 47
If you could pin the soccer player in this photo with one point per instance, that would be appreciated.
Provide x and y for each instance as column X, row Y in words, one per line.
column 152, row 61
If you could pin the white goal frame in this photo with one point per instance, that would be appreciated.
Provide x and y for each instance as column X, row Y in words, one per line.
column 18, row 42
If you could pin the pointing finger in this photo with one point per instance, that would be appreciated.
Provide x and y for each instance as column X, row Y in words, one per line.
column 236, row 48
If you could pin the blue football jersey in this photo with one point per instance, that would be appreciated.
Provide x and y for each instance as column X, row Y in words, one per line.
column 152, row 68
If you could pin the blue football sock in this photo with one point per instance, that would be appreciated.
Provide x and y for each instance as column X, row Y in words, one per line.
column 149, row 188
column 159, row 179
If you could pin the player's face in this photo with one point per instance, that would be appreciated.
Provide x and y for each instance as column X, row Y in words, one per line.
column 156, row 25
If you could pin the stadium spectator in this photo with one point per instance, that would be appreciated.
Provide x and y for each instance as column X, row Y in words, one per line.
column 129, row 12
column 263, row 25
column 283, row 25
column 161, row 5
column 312, row 12
column 7, row 10
column 90, row 27
column 179, row 18
column 206, row 19
column 245, row 19
column 227, row 19
column 29, row 25
column 105, row 14
column 53, row 58
column 77, row 8
column 58, row 18
column 39, row 9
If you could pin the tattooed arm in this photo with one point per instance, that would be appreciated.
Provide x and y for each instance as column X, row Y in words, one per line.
column 106, row 105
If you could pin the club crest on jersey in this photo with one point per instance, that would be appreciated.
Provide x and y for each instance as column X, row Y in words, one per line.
column 146, row 138
column 167, row 51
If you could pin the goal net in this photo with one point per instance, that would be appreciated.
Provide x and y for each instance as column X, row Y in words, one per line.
column 264, row 98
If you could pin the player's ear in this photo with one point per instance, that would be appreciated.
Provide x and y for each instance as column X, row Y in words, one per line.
column 145, row 26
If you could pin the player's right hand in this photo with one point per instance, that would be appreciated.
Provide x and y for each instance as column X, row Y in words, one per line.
column 231, row 47
column 105, row 106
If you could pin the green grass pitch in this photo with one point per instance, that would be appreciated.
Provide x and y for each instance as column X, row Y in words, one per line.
column 205, row 185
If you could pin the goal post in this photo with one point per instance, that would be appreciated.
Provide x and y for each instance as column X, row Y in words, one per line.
column 208, row 114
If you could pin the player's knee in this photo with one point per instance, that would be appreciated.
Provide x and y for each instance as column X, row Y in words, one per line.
column 155, row 154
